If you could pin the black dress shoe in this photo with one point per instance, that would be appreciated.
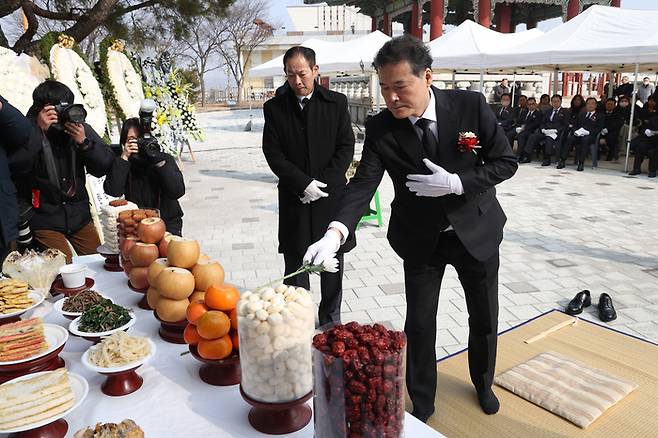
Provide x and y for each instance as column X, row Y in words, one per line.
column 488, row 401
column 581, row 166
column 635, row 172
column 560, row 164
column 652, row 174
column 524, row 159
column 422, row 418
column 576, row 305
column 606, row 309
column 546, row 162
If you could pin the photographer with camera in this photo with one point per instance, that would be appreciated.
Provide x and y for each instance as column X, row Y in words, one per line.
column 65, row 148
column 144, row 173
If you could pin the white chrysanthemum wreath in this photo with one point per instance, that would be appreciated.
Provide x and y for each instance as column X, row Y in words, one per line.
column 126, row 83
column 70, row 69
column 19, row 76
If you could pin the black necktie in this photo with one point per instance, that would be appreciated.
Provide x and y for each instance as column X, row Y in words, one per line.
column 304, row 102
column 553, row 115
column 429, row 140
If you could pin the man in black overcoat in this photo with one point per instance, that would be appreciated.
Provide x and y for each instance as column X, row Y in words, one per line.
column 444, row 212
column 309, row 144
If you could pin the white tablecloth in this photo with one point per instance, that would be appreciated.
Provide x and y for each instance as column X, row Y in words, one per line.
column 173, row 402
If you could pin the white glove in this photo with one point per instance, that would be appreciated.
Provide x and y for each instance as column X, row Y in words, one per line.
column 649, row 132
column 439, row 183
column 312, row 192
column 519, row 129
column 544, row 131
column 585, row 132
column 324, row 248
column 604, row 131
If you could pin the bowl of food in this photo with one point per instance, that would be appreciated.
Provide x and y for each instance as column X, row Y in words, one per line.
column 30, row 346
column 101, row 320
column 74, row 306
column 20, row 400
column 16, row 299
column 118, row 356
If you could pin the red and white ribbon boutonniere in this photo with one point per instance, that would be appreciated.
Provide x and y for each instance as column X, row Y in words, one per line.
column 468, row 142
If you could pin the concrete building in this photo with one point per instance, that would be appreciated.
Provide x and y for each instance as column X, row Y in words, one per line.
column 322, row 18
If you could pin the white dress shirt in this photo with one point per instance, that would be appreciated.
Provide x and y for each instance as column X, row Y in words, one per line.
column 300, row 98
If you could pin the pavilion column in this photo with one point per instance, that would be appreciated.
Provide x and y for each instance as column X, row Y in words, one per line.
column 565, row 84
column 436, row 19
column 387, row 24
column 414, row 29
column 616, row 3
column 373, row 25
column 504, row 17
column 485, row 13
column 573, row 8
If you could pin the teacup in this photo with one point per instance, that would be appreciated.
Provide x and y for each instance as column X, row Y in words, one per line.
column 74, row 275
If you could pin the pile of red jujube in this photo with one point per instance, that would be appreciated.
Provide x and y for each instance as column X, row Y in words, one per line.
column 359, row 381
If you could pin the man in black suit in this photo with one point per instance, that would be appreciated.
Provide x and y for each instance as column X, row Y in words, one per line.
column 527, row 124
column 15, row 131
column 646, row 144
column 613, row 122
column 553, row 124
column 505, row 115
column 588, row 125
column 500, row 89
column 444, row 212
column 309, row 144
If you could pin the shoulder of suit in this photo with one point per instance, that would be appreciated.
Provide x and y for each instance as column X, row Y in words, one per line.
column 379, row 124
column 453, row 95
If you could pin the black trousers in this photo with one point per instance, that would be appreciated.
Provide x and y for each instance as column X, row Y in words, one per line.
column 645, row 147
column 331, row 287
column 582, row 145
column 612, row 141
column 422, row 284
column 522, row 139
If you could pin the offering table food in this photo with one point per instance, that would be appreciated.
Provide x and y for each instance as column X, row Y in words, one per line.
column 173, row 401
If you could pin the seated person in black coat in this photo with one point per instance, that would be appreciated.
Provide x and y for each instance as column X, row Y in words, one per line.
column 553, row 124
column 505, row 115
column 150, row 181
column 613, row 122
column 527, row 123
column 646, row 143
column 61, row 155
column 583, row 135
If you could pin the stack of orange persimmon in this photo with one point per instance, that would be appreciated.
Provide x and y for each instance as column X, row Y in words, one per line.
column 213, row 322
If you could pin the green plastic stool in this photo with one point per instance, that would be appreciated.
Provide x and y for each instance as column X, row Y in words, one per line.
column 375, row 214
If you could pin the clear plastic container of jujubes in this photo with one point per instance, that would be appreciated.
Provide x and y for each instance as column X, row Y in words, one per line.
column 359, row 373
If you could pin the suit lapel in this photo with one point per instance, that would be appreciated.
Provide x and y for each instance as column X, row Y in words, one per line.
column 407, row 139
column 446, row 127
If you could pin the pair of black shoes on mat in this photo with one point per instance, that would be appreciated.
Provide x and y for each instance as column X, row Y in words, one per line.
column 583, row 299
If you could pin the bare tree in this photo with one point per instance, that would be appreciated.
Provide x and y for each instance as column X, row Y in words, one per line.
column 246, row 28
column 201, row 44
column 80, row 18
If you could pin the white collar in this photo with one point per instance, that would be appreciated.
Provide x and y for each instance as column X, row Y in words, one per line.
column 300, row 98
column 430, row 111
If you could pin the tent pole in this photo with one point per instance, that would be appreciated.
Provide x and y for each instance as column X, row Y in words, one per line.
column 454, row 80
column 481, row 81
column 555, row 79
column 630, row 123
column 513, row 88
column 610, row 84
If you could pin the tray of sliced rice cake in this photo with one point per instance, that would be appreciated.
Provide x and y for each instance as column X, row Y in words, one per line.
column 36, row 400
column 28, row 341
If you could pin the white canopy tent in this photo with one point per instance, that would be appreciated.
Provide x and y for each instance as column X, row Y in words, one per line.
column 467, row 46
column 600, row 39
column 343, row 56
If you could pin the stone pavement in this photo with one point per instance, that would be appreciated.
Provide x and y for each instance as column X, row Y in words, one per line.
column 566, row 231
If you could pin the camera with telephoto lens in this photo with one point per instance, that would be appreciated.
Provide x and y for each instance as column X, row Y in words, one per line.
column 147, row 144
column 69, row 112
